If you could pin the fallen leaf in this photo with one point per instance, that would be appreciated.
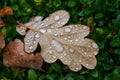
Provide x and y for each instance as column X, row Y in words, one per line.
column 2, row 41
column 6, row 11
column 18, row 59
column 1, row 23
column 66, row 43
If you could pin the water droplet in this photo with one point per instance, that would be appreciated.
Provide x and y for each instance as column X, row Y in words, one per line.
column 71, row 50
column 70, row 40
column 80, row 61
column 55, row 34
column 64, row 54
column 37, row 18
column 59, row 22
column 76, row 29
column 54, row 56
column 26, row 42
column 66, row 61
column 76, row 40
column 31, row 37
column 69, row 37
column 61, row 56
column 42, row 30
column 90, row 55
column 57, row 46
column 34, row 42
column 67, row 29
column 50, row 47
column 85, row 27
column 49, row 30
column 87, row 65
column 95, row 53
column 61, row 34
column 84, row 33
column 52, row 26
column 30, row 47
column 70, row 26
column 49, row 52
column 94, row 45
column 85, row 53
column 76, row 68
column 37, row 35
column 82, row 50
column 56, row 18
column 65, row 38
column 63, row 23
column 42, row 24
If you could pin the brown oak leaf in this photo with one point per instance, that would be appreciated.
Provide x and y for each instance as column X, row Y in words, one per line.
column 18, row 59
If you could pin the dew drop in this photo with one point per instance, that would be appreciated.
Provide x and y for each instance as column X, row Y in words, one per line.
column 37, row 35
column 55, row 34
column 84, row 27
column 63, row 23
column 30, row 47
column 61, row 34
column 64, row 54
column 76, row 68
column 61, row 56
column 94, row 45
column 67, row 30
column 70, row 40
column 59, row 22
column 65, row 38
column 52, row 26
column 76, row 40
column 56, row 18
column 80, row 61
column 84, row 33
column 76, row 29
column 49, row 30
column 42, row 30
column 70, row 26
column 71, row 50
column 69, row 37
column 90, row 55
column 87, row 65
column 50, row 52
column 42, row 24
column 54, row 57
column 85, row 53
column 34, row 42
column 57, row 46
column 95, row 53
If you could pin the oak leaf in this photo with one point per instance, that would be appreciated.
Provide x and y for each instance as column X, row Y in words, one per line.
column 66, row 43
column 18, row 59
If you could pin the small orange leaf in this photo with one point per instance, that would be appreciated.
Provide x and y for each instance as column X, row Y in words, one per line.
column 90, row 23
column 6, row 11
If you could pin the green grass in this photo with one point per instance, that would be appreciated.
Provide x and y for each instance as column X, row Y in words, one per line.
column 106, row 33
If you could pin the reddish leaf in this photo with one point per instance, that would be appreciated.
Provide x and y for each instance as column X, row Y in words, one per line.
column 6, row 11
column 1, row 23
column 18, row 60
column 2, row 42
